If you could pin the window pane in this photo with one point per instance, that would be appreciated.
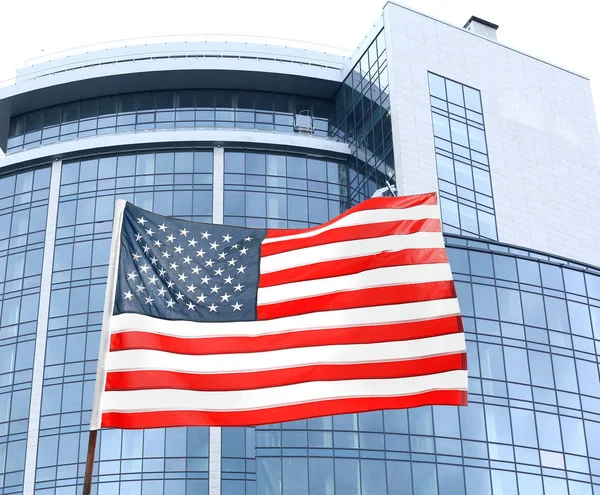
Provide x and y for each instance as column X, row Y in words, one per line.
column 424, row 478
column 485, row 301
column 451, row 480
column 541, row 369
column 523, row 423
column 533, row 309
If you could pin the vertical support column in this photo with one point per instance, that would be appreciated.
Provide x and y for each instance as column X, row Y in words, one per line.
column 218, row 183
column 214, row 440
column 42, row 330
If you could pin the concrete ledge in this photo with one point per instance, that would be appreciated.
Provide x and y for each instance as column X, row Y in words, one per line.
column 145, row 139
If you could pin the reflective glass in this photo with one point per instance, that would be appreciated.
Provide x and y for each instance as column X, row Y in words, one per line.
column 145, row 111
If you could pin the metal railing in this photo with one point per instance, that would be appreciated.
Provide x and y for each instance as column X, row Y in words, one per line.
column 312, row 57
column 190, row 38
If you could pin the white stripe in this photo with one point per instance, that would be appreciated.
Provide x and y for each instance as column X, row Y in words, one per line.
column 349, row 249
column 378, row 277
column 244, row 400
column 345, row 318
column 364, row 217
column 135, row 360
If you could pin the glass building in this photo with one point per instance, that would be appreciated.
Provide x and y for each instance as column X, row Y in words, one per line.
column 284, row 137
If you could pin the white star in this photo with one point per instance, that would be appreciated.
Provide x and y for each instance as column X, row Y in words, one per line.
column 187, row 260
column 144, row 268
column 141, row 220
column 225, row 297
column 162, row 272
column 170, row 238
column 196, row 270
column 136, row 256
column 247, row 239
column 214, row 245
column 154, row 260
column 157, row 243
column 205, row 279
column 205, row 235
column 219, row 271
column 212, row 308
column 179, row 296
column 190, row 306
column 201, row 253
column 243, row 250
column 162, row 227
column 232, row 262
column 178, row 249
column 150, row 232
column 162, row 291
column 149, row 300
column 235, row 246
column 238, row 287
column 170, row 284
column 214, row 289
column 191, row 288
column 140, row 288
column 241, row 269
column 170, row 303
column 183, row 277
column 184, row 232
column 226, row 238
column 237, row 306
column 222, row 255
column 152, row 280
column 138, row 237
column 131, row 276
column 210, row 263
column 192, row 242
column 201, row 298
column 128, row 295
column 228, row 280
column 174, row 266
column 166, row 254
column 146, row 248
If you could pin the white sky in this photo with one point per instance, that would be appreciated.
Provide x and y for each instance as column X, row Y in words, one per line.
column 564, row 33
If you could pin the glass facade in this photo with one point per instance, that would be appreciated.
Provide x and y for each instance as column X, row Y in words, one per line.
column 462, row 159
column 532, row 320
column 173, row 182
column 23, row 210
column 276, row 190
column 363, row 120
column 193, row 109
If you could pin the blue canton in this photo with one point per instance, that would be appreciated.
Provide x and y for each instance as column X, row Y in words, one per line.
column 180, row 270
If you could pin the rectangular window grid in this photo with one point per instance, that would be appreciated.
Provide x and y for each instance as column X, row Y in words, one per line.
column 169, row 181
column 462, row 159
column 23, row 207
column 200, row 109
column 363, row 120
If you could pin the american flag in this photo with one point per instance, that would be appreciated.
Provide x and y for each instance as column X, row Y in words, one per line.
column 220, row 325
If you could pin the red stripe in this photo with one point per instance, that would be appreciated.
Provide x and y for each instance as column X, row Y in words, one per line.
column 354, row 232
column 159, row 379
column 337, row 268
column 137, row 339
column 400, row 202
column 165, row 419
column 363, row 298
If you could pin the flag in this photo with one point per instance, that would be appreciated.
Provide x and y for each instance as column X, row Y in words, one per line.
column 220, row 325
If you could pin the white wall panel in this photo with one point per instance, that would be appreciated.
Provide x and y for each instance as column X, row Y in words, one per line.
column 542, row 134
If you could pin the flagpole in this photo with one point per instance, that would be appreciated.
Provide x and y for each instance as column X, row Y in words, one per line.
column 111, row 285
column 89, row 463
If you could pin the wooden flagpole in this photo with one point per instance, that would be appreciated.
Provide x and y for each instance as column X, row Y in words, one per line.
column 89, row 463
column 109, row 302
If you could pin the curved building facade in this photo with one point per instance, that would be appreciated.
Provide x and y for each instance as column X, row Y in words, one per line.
column 268, row 136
